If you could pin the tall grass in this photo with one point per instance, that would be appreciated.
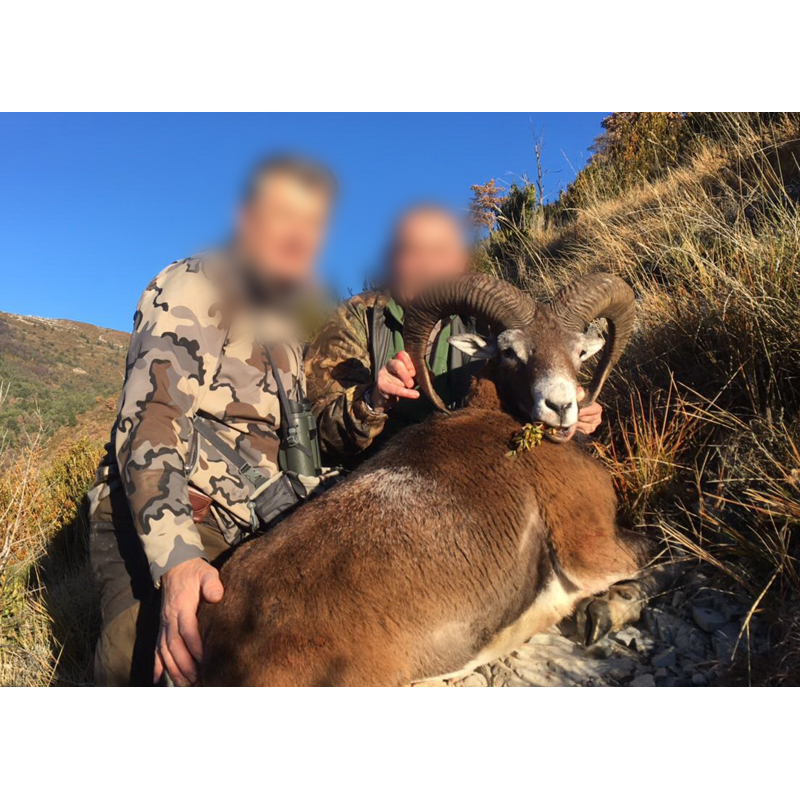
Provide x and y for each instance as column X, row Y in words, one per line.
column 705, row 429
column 47, row 606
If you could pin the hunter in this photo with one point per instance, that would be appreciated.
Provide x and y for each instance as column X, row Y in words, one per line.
column 199, row 456
column 361, row 381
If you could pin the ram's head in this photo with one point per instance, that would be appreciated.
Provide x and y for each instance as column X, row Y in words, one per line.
column 535, row 349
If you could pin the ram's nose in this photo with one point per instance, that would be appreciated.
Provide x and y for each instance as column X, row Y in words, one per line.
column 562, row 413
column 555, row 402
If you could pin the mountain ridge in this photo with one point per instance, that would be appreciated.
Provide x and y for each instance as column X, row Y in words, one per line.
column 53, row 371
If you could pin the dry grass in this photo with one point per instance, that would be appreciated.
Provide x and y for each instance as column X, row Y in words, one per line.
column 48, row 614
column 705, row 430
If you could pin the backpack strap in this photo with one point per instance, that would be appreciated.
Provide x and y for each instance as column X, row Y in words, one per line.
column 270, row 497
column 458, row 326
column 380, row 339
column 461, row 367
column 253, row 476
column 290, row 431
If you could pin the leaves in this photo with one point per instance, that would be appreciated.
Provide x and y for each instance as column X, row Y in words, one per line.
column 529, row 437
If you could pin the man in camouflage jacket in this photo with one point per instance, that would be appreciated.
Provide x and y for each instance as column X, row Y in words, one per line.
column 166, row 503
column 361, row 382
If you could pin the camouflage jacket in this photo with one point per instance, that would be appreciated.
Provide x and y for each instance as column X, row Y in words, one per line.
column 342, row 364
column 195, row 349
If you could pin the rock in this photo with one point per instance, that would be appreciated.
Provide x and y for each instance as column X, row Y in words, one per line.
column 500, row 674
column 672, row 630
column 665, row 659
column 619, row 668
column 691, row 640
column 515, row 682
column 688, row 666
column 698, row 679
column 730, row 608
column 725, row 604
column 551, row 659
column 678, row 599
column 708, row 619
column 661, row 673
column 663, row 625
column 634, row 639
column 644, row 642
column 698, row 578
column 723, row 642
column 603, row 649
column 644, row 680
column 675, row 681
column 476, row 679
column 626, row 636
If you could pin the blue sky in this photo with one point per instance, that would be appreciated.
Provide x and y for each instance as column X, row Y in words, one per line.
column 93, row 206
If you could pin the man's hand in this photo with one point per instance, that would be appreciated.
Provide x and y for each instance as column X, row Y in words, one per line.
column 395, row 380
column 179, row 648
column 589, row 418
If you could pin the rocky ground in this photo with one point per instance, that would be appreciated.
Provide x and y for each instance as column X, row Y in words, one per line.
column 684, row 637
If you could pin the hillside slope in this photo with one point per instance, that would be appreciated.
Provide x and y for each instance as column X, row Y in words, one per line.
column 700, row 213
column 53, row 371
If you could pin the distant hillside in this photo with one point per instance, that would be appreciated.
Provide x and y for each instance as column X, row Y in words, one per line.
column 54, row 371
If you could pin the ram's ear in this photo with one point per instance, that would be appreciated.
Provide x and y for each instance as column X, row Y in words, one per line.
column 592, row 343
column 474, row 345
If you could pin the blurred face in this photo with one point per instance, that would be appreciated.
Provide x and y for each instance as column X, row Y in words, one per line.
column 282, row 229
column 429, row 247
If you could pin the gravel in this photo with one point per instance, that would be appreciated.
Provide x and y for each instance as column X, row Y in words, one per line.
column 686, row 637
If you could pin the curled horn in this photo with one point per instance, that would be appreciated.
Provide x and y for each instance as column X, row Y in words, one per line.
column 493, row 302
column 590, row 298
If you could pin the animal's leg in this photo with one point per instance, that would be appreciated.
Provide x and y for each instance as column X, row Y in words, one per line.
column 622, row 603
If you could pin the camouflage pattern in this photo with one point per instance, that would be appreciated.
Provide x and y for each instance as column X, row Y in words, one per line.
column 195, row 348
column 340, row 371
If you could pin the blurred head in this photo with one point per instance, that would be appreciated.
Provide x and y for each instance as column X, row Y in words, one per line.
column 428, row 245
column 284, row 216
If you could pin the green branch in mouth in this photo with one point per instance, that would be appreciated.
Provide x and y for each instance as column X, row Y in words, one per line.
column 529, row 437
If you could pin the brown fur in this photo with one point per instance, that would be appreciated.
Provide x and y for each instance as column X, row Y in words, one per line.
column 413, row 565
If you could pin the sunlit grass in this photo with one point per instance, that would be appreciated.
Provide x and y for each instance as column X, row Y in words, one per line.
column 704, row 431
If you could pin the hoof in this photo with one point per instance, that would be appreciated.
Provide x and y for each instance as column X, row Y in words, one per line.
column 619, row 606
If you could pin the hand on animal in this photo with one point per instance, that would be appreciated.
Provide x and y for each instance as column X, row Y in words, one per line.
column 589, row 418
column 395, row 380
column 179, row 648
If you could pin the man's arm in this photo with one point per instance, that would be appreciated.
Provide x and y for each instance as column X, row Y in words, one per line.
column 339, row 375
column 174, row 349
